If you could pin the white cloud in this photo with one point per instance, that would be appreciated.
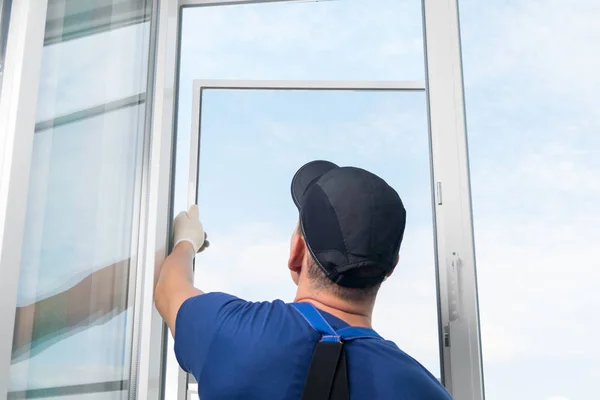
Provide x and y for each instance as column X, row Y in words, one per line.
column 250, row 262
column 314, row 40
column 563, row 170
column 538, row 258
column 538, row 301
column 544, row 46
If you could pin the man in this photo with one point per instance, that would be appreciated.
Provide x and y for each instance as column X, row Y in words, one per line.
column 347, row 242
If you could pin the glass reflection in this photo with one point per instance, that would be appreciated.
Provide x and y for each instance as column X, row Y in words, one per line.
column 73, row 326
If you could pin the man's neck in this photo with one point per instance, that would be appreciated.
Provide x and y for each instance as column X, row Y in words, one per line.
column 352, row 314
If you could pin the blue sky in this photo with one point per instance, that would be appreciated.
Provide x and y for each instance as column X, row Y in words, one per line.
column 531, row 94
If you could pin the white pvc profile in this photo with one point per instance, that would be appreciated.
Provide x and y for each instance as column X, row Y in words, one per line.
column 191, row 3
column 457, row 280
column 138, row 266
column 18, row 101
column 152, row 334
column 373, row 86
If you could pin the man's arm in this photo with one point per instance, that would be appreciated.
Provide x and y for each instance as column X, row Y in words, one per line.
column 57, row 317
column 194, row 318
column 175, row 283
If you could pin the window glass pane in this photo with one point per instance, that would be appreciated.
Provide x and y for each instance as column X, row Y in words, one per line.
column 71, row 19
column 246, row 166
column 75, row 263
column 74, row 320
column 532, row 86
column 95, row 74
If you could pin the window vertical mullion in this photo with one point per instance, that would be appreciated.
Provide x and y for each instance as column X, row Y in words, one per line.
column 457, row 290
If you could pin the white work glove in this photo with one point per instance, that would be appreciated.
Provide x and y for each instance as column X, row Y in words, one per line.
column 187, row 228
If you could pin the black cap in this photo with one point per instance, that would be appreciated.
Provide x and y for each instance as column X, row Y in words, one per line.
column 352, row 221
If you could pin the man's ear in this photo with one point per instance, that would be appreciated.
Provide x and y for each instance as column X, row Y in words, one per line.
column 297, row 251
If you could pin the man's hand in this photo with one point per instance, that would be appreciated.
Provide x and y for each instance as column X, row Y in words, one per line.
column 187, row 227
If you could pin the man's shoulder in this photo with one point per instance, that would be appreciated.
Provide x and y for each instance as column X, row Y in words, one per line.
column 393, row 368
column 220, row 299
column 242, row 305
column 270, row 315
column 269, row 328
column 230, row 309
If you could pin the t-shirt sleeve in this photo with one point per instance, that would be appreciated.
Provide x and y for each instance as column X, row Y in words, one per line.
column 197, row 322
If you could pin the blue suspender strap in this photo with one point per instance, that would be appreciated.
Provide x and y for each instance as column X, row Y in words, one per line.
column 320, row 324
column 327, row 377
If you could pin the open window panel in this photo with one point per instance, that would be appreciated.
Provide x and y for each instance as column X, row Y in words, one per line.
column 247, row 140
column 249, row 136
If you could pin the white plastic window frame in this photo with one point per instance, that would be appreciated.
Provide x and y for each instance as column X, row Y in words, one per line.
column 457, row 277
column 18, row 100
column 458, row 310
column 200, row 85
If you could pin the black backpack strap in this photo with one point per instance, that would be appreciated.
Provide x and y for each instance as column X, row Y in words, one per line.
column 325, row 379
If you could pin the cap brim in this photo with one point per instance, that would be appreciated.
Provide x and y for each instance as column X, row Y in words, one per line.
column 306, row 176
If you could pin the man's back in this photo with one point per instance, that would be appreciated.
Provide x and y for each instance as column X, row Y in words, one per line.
column 243, row 350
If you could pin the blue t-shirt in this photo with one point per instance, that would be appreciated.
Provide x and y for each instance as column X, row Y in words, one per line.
column 240, row 350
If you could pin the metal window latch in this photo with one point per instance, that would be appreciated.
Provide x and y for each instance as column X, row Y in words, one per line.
column 446, row 335
column 438, row 193
column 453, row 278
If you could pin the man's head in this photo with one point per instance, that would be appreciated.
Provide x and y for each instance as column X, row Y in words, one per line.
column 349, row 233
